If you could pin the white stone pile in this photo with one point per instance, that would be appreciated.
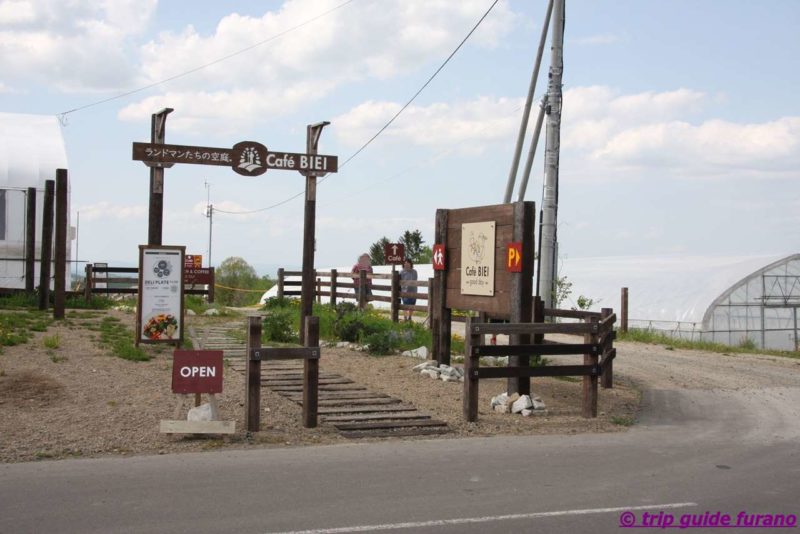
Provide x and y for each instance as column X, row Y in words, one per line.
column 443, row 372
column 516, row 403
column 420, row 353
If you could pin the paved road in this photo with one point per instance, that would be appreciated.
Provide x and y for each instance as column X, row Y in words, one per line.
column 728, row 449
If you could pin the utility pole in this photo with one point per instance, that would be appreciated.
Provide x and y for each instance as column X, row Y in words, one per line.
column 313, row 131
column 210, row 215
column 549, row 243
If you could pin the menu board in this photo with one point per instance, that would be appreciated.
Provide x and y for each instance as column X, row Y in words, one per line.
column 160, row 309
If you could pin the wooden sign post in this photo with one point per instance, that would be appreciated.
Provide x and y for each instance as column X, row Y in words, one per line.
column 198, row 372
column 247, row 158
column 473, row 272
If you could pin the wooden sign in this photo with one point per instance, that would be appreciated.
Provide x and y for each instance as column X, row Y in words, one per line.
column 439, row 257
column 197, row 371
column 192, row 261
column 202, row 276
column 247, row 158
column 394, row 253
column 514, row 257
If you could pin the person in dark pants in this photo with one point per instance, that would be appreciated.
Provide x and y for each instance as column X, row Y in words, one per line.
column 408, row 273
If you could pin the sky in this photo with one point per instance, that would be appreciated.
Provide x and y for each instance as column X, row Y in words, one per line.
column 680, row 134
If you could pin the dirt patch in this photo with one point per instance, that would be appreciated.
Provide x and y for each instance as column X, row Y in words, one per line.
column 29, row 388
column 86, row 402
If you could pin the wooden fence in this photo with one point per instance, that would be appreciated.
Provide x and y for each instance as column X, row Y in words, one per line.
column 129, row 285
column 597, row 349
column 329, row 284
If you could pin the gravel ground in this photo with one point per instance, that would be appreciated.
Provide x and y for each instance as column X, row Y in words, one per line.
column 78, row 400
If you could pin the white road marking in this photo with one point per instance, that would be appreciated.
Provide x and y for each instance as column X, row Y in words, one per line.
column 486, row 519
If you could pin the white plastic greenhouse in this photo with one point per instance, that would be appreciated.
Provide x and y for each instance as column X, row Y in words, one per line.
column 724, row 299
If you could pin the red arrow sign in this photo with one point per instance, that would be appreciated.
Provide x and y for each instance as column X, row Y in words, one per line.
column 439, row 257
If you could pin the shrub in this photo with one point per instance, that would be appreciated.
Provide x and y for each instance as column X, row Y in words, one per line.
column 279, row 326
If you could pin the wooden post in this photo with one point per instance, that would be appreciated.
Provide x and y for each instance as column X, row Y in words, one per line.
column 538, row 317
column 281, row 278
column 319, row 290
column 211, row 286
column 521, row 293
column 395, row 296
column 623, row 313
column 313, row 131
column 430, row 304
column 252, row 399
column 607, row 380
column 334, row 282
column 362, row 289
column 61, row 244
column 47, row 245
column 311, row 374
column 158, row 122
column 471, row 365
column 590, row 382
column 442, row 331
column 87, row 290
column 30, row 241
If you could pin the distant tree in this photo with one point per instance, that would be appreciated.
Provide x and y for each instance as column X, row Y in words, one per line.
column 376, row 251
column 235, row 272
column 425, row 255
column 413, row 243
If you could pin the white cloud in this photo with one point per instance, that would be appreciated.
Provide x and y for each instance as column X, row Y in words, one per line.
column 465, row 125
column 378, row 40
column 608, row 134
column 81, row 45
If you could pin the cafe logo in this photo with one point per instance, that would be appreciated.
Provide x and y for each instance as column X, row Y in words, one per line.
column 249, row 158
column 162, row 268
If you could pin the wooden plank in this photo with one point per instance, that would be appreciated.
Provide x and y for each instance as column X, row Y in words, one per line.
column 197, row 427
column 322, row 388
column 311, row 374
column 359, row 402
column 344, row 395
column 547, row 328
column 589, row 385
column 500, row 213
column 268, row 382
column 530, row 350
column 374, row 417
column 550, row 370
column 284, row 353
column 383, row 425
column 471, row 384
column 607, row 364
column 570, row 314
column 366, row 409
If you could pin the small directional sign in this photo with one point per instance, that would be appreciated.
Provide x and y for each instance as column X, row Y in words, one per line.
column 514, row 257
column 439, row 257
column 394, row 253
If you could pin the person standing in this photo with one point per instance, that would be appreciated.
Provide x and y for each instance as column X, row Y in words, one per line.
column 407, row 274
column 363, row 264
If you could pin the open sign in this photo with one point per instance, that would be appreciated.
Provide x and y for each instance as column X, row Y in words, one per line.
column 197, row 371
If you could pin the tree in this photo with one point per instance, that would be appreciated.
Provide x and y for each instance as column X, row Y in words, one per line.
column 413, row 242
column 376, row 251
column 235, row 272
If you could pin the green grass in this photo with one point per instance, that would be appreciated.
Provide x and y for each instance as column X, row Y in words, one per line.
column 119, row 339
column 51, row 342
column 659, row 338
column 622, row 420
column 16, row 327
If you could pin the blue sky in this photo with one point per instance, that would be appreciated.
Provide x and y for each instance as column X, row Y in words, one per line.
column 681, row 123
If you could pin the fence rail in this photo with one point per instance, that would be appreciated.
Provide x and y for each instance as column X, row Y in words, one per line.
column 130, row 284
column 329, row 285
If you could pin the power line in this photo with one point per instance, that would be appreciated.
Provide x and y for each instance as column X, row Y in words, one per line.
column 385, row 126
column 63, row 114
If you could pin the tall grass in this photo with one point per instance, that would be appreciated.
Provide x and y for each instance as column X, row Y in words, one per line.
column 654, row 337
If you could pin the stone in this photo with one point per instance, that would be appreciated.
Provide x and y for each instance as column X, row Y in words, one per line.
column 190, row 312
column 538, row 403
column 500, row 400
column 430, row 373
column 211, row 311
column 512, row 399
column 522, row 403
column 424, row 365
column 448, row 378
column 502, row 408
column 419, row 353
column 343, row 345
column 526, row 413
column 200, row 413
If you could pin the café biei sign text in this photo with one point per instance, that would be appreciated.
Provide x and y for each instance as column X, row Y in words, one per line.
column 247, row 158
